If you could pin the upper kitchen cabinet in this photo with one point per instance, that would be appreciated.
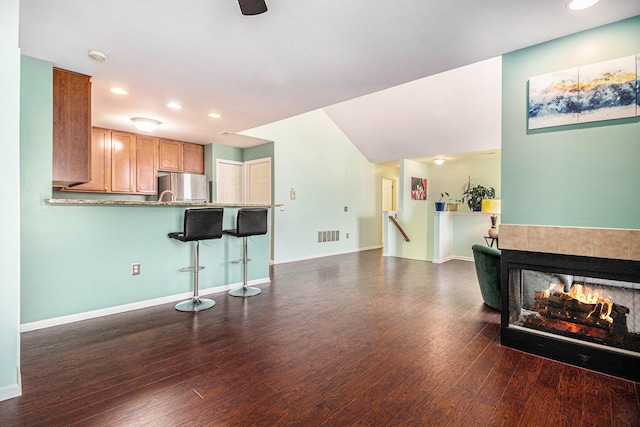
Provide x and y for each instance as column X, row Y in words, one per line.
column 146, row 164
column 122, row 162
column 193, row 158
column 178, row 156
column 71, row 128
column 169, row 155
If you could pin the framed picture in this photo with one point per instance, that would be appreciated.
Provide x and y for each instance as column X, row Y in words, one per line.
column 418, row 188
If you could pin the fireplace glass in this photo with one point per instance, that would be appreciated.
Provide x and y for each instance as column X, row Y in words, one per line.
column 588, row 309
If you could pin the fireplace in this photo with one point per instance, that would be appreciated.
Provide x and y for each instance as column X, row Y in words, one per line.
column 579, row 309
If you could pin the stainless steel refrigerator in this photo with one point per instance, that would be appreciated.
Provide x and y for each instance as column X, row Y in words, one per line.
column 187, row 187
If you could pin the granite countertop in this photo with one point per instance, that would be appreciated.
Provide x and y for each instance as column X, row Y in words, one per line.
column 90, row 202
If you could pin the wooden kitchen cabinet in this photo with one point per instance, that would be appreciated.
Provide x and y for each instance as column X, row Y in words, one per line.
column 169, row 155
column 193, row 158
column 146, row 164
column 71, row 128
column 100, row 158
column 122, row 162
column 178, row 156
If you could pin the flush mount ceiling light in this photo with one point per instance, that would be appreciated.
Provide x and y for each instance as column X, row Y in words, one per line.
column 438, row 161
column 214, row 115
column 119, row 91
column 252, row 7
column 581, row 4
column 145, row 125
column 97, row 55
column 174, row 105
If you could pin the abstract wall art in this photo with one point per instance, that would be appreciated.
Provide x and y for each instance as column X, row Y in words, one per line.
column 554, row 99
column 603, row 91
column 608, row 90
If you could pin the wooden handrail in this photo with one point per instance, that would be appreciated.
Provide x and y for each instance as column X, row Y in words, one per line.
column 399, row 227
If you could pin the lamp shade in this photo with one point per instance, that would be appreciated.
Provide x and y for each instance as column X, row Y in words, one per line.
column 491, row 206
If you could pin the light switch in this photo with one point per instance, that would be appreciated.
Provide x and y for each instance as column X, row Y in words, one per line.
column 292, row 194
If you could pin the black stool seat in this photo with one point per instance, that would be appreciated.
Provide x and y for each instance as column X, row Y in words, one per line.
column 199, row 224
column 249, row 222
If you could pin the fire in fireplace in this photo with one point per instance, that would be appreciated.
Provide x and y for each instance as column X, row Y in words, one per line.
column 580, row 310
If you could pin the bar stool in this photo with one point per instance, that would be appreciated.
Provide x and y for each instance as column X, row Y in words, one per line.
column 199, row 224
column 249, row 222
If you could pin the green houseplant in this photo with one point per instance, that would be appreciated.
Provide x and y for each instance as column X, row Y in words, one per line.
column 440, row 204
column 473, row 194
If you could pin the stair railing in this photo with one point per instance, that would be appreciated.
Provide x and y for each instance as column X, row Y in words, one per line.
column 399, row 227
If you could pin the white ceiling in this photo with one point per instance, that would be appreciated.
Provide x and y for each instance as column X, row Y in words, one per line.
column 297, row 57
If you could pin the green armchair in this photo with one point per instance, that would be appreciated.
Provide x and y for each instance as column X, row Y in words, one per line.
column 487, row 262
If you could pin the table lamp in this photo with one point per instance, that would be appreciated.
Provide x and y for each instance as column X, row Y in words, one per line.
column 492, row 206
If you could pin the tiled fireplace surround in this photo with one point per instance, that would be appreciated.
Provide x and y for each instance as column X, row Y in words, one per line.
column 590, row 242
column 602, row 252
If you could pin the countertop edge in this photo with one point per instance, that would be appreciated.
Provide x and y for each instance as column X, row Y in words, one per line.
column 90, row 202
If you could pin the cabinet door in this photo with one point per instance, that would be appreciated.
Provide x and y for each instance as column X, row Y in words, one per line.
column 71, row 128
column 123, row 162
column 169, row 155
column 193, row 158
column 100, row 150
column 146, row 164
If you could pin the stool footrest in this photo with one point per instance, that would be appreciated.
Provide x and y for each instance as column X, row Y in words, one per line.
column 190, row 269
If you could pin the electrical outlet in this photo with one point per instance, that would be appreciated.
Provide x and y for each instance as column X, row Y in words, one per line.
column 346, row 209
column 347, row 235
column 135, row 269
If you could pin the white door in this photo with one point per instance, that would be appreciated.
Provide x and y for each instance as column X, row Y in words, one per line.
column 228, row 182
column 258, row 181
column 388, row 194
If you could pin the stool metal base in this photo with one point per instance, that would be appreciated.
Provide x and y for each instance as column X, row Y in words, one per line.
column 245, row 292
column 195, row 304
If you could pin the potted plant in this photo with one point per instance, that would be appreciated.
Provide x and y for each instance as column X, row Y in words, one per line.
column 473, row 194
column 440, row 203
column 453, row 204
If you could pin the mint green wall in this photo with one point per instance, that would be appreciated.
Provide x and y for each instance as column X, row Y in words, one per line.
column 10, row 206
column 258, row 152
column 582, row 175
column 78, row 258
column 315, row 158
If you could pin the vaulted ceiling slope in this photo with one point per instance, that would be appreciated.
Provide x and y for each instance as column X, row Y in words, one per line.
column 297, row 57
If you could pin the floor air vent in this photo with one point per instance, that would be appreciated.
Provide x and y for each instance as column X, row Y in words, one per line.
column 328, row 236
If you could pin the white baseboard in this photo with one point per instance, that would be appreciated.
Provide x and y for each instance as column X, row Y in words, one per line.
column 47, row 323
column 13, row 390
column 284, row 261
column 449, row 258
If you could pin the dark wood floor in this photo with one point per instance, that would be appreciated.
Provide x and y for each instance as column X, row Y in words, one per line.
column 348, row 340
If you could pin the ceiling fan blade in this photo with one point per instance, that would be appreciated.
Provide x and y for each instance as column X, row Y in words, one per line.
column 252, row 7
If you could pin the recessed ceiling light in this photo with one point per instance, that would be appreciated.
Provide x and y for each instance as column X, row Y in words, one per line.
column 581, row 4
column 119, row 91
column 174, row 105
column 97, row 55
column 438, row 161
column 214, row 115
column 145, row 125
